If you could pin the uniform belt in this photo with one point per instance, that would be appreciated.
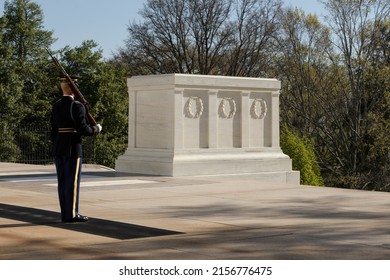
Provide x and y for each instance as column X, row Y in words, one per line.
column 67, row 130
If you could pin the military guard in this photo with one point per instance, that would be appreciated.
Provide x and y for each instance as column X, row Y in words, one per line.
column 68, row 125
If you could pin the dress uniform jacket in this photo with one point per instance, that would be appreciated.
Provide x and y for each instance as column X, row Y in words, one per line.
column 68, row 124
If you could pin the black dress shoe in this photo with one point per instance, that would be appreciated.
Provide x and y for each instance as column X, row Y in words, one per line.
column 78, row 219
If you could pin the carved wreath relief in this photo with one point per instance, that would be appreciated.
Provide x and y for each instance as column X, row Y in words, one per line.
column 193, row 101
column 258, row 109
column 222, row 108
column 193, row 108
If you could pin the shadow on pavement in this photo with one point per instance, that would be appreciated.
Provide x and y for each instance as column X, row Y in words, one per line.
column 106, row 228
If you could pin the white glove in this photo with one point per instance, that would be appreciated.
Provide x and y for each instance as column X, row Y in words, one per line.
column 97, row 128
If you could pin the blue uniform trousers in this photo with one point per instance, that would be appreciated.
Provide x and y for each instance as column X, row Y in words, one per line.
column 68, row 176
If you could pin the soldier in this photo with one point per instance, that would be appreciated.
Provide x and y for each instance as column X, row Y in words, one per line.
column 69, row 124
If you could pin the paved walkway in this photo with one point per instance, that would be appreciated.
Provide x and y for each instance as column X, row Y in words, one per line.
column 227, row 217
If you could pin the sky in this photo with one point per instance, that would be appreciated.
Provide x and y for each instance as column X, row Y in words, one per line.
column 105, row 22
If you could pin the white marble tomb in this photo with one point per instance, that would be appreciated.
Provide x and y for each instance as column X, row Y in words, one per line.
column 184, row 125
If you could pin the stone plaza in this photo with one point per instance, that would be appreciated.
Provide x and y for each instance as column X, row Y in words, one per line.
column 184, row 218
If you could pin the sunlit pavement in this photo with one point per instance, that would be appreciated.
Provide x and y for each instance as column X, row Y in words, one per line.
column 215, row 217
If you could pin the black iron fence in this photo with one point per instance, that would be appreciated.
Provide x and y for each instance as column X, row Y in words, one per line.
column 33, row 146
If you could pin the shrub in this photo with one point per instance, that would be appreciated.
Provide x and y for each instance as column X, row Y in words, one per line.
column 301, row 152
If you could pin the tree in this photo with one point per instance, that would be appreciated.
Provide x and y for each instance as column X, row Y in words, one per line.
column 24, row 79
column 252, row 44
column 26, row 42
column 178, row 36
column 10, row 84
column 29, row 86
column 302, row 64
column 222, row 37
column 10, row 94
column 377, row 85
column 357, row 26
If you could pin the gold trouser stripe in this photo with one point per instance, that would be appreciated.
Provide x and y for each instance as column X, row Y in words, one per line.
column 66, row 130
column 76, row 177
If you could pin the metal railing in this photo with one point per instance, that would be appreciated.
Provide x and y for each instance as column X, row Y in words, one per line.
column 33, row 146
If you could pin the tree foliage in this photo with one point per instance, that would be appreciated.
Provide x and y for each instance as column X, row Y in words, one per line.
column 29, row 84
column 23, row 76
column 359, row 28
column 223, row 37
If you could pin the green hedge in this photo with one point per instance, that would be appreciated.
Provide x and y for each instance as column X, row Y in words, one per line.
column 301, row 152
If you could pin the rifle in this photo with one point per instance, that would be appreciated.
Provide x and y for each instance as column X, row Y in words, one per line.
column 77, row 94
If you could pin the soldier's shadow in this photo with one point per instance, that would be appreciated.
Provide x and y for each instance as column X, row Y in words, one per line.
column 101, row 227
